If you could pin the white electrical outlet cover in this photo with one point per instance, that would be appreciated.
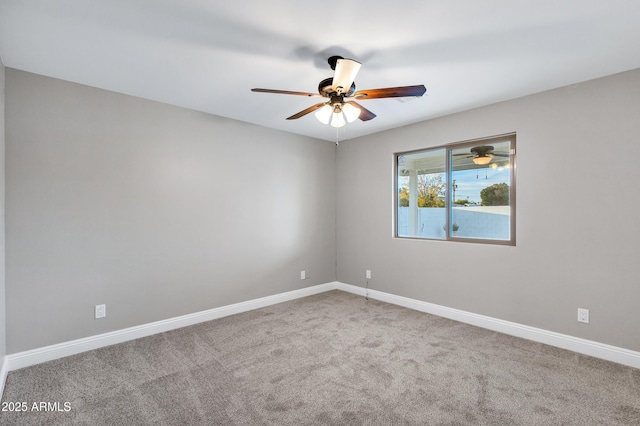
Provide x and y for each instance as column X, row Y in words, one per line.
column 100, row 311
column 583, row 315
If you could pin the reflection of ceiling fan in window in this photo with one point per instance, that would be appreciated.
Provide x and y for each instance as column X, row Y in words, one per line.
column 482, row 155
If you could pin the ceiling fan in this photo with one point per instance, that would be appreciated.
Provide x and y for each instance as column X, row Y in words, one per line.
column 340, row 91
column 482, row 154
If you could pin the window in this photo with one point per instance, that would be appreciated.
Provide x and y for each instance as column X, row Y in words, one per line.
column 459, row 192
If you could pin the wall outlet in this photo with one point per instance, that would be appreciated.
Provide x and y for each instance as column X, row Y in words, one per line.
column 304, row 275
column 583, row 315
column 367, row 274
column 101, row 311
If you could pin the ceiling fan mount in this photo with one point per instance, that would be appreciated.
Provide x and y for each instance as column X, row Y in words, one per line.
column 333, row 61
column 341, row 91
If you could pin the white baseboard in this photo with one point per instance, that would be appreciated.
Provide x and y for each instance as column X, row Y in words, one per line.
column 583, row 346
column 575, row 344
column 4, row 370
column 49, row 353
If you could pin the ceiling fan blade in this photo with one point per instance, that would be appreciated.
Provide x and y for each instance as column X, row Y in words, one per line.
column 307, row 111
column 390, row 92
column 365, row 114
column 286, row 92
column 500, row 154
column 345, row 73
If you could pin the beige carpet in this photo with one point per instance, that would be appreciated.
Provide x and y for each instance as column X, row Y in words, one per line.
column 334, row 359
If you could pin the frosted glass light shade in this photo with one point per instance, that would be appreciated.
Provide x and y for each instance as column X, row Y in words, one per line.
column 324, row 114
column 481, row 161
column 350, row 112
column 337, row 120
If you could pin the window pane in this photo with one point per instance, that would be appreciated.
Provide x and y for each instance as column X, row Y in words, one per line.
column 421, row 197
column 480, row 191
column 458, row 192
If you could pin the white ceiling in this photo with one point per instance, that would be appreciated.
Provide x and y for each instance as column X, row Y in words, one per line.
column 207, row 55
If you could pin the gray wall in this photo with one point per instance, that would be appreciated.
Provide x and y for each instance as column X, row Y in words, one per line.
column 578, row 206
column 3, row 327
column 155, row 210
column 159, row 211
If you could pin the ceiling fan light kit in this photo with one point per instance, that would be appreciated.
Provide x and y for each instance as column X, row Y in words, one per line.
column 338, row 115
column 481, row 161
column 340, row 109
column 482, row 155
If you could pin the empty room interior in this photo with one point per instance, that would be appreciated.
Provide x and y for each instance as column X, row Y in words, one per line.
column 187, row 239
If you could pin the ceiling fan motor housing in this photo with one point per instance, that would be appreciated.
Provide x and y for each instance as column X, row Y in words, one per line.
column 482, row 151
column 336, row 99
column 324, row 88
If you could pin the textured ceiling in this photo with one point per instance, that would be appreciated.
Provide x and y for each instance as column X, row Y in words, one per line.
column 207, row 55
